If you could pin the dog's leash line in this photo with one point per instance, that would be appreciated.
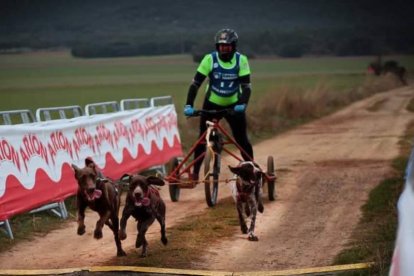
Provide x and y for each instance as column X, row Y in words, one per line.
column 227, row 180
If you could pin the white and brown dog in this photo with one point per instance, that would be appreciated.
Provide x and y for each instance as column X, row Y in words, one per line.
column 247, row 192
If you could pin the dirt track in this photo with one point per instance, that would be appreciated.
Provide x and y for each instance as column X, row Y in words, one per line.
column 326, row 170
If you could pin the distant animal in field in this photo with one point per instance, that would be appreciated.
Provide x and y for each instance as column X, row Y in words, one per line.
column 145, row 204
column 103, row 197
column 247, row 193
column 390, row 66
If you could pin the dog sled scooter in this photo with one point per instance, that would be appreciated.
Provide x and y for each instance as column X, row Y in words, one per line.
column 217, row 140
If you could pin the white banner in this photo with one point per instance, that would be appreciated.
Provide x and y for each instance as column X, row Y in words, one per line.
column 35, row 158
column 403, row 257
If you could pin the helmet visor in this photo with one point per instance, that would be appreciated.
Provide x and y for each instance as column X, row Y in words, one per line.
column 225, row 48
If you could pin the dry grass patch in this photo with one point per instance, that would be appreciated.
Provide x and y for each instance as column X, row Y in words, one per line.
column 286, row 107
column 281, row 108
column 188, row 239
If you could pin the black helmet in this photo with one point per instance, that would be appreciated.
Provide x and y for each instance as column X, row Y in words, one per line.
column 226, row 36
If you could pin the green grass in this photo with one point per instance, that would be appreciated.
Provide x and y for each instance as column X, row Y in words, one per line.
column 43, row 79
column 47, row 79
column 324, row 65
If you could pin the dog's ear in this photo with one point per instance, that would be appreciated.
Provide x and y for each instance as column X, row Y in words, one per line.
column 126, row 178
column 77, row 171
column 235, row 170
column 88, row 161
column 153, row 180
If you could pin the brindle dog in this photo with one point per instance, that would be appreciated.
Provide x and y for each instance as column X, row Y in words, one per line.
column 102, row 196
column 145, row 204
column 247, row 193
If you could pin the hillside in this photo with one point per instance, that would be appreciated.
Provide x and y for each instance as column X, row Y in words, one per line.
column 161, row 26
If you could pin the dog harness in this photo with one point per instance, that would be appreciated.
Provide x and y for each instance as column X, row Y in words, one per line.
column 243, row 191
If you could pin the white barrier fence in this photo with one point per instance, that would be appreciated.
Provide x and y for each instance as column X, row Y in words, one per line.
column 403, row 257
column 22, row 116
column 61, row 112
column 165, row 117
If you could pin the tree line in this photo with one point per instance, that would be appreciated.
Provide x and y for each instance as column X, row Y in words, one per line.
column 104, row 28
column 297, row 43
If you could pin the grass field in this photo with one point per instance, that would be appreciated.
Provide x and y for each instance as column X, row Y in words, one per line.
column 48, row 79
column 44, row 79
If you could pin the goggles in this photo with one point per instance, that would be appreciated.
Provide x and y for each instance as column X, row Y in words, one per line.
column 225, row 48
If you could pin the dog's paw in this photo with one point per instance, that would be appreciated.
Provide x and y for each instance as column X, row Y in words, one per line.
column 81, row 230
column 244, row 229
column 138, row 243
column 97, row 234
column 252, row 237
column 260, row 207
column 121, row 253
column 164, row 240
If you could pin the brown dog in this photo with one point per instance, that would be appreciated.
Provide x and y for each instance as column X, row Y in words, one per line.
column 144, row 203
column 100, row 195
column 247, row 193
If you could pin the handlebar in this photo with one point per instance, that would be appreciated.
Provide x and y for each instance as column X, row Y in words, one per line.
column 200, row 112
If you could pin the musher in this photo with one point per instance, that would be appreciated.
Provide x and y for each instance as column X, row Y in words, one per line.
column 229, row 87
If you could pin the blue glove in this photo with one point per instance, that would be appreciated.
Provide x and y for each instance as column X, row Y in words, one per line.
column 188, row 110
column 240, row 108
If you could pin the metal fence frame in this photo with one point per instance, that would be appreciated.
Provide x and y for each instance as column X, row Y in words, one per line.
column 62, row 112
column 128, row 104
column 93, row 108
column 160, row 101
column 26, row 116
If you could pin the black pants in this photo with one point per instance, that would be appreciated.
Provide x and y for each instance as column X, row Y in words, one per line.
column 238, row 125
